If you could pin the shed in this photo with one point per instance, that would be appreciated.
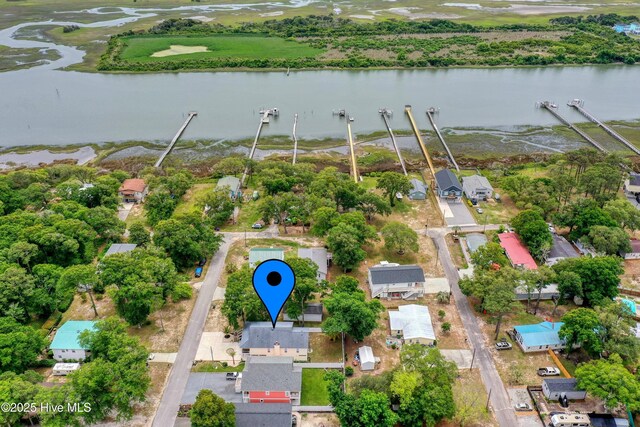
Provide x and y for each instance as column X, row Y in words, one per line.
column 418, row 190
column 65, row 368
column 555, row 388
column 367, row 360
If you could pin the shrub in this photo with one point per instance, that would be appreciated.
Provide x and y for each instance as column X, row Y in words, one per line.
column 181, row 291
column 348, row 371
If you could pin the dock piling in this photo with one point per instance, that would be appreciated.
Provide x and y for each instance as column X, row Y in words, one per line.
column 264, row 120
column 552, row 108
column 295, row 139
column 430, row 112
column 423, row 147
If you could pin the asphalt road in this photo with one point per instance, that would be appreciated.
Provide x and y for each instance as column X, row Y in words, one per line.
column 500, row 402
column 169, row 404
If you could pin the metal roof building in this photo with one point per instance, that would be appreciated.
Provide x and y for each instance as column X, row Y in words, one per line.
column 258, row 255
column 263, row 415
column 318, row 256
column 413, row 322
column 475, row 240
column 66, row 337
column 118, row 248
column 539, row 337
column 264, row 335
column 516, row 251
column 386, row 274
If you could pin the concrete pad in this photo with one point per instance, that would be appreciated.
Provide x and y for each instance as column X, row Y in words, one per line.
column 219, row 293
column 462, row 358
column 465, row 272
column 214, row 343
column 460, row 214
column 163, row 357
column 433, row 285
column 525, row 418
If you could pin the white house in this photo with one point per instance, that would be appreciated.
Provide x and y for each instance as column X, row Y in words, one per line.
column 396, row 281
column 477, row 187
column 367, row 360
column 319, row 257
column 65, row 345
column 412, row 323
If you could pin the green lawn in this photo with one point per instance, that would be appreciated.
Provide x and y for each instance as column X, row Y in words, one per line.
column 314, row 388
column 218, row 46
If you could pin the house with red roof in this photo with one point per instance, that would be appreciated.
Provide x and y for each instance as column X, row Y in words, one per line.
column 133, row 190
column 516, row 251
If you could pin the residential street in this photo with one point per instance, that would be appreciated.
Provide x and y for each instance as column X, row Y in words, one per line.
column 168, row 407
column 500, row 402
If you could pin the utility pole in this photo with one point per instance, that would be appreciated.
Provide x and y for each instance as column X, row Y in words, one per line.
column 488, row 398
column 473, row 358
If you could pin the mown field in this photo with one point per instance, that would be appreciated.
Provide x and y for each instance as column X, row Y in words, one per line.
column 218, row 46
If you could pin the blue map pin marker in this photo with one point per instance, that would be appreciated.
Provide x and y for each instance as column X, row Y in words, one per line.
column 273, row 281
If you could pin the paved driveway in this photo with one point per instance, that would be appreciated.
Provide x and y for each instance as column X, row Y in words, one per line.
column 214, row 343
column 456, row 213
column 214, row 381
column 123, row 212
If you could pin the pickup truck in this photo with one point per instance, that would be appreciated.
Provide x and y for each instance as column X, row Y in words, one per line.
column 231, row 376
column 548, row 372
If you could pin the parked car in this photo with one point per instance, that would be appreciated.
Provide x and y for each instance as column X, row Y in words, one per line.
column 552, row 229
column 257, row 226
column 523, row 407
column 198, row 272
column 231, row 376
column 202, row 262
column 548, row 372
column 479, row 210
column 503, row 345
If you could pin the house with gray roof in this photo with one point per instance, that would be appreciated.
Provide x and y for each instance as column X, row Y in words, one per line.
column 258, row 255
column 119, row 248
column 555, row 388
column 231, row 183
column 388, row 280
column 477, row 187
column 560, row 250
column 418, row 190
column 319, row 257
column 271, row 380
column 262, row 339
column 263, row 415
column 448, row 185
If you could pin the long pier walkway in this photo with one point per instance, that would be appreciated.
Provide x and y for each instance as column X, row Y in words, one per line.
column 295, row 138
column 354, row 166
column 430, row 112
column 423, row 147
column 175, row 139
column 385, row 113
column 264, row 120
column 552, row 108
column 578, row 105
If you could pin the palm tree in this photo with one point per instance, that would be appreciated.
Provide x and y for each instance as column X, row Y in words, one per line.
column 232, row 352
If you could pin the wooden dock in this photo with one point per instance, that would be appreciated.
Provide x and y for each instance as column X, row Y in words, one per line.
column 354, row 166
column 430, row 112
column 175, row 139
column 264, row 120
column 295, row 138
column 423, row 147
column 384, row 112
column 578, row 104
column 552, row 108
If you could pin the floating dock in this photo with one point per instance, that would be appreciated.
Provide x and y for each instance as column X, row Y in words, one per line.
column 354, row 166
column 578, row 104
column 385, row 113
column 430, row 112
column 264, row 120
column 416, row 131
column 175, row 139
column 553, row 109
column 295, row 138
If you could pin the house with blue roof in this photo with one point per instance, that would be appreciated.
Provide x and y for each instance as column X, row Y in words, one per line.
column 539, row 337
column 65, row 345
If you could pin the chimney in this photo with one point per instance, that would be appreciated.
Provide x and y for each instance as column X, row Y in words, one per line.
column 276, row 348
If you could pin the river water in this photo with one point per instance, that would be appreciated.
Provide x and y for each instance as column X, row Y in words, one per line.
column 43, row 105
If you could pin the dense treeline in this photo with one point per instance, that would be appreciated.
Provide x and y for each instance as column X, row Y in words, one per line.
column 394, row 43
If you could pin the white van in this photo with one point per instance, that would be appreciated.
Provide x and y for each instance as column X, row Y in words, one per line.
column 570, row 420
